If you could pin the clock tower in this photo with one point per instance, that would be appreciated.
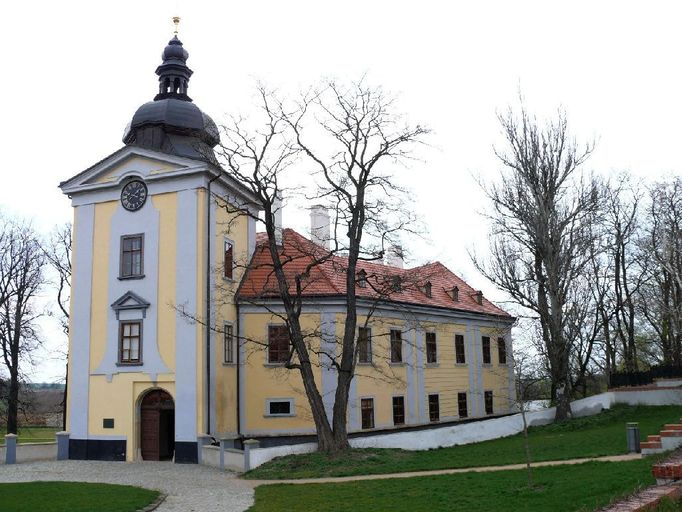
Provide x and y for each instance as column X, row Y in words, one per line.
column 149, row 246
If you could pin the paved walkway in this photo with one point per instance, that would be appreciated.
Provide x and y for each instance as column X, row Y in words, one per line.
column 484, row 469
column 190, row 488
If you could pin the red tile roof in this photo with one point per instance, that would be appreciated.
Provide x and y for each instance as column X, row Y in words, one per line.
column 328, row 279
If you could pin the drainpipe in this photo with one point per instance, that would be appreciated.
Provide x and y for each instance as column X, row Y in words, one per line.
column 208, row 304
column 239, row 420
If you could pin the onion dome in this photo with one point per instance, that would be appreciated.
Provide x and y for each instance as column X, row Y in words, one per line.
column 172, row 123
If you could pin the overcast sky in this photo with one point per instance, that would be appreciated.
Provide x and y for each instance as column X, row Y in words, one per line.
column 75, row 72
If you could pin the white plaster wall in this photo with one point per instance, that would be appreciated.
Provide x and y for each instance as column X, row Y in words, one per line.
column 649, row 397
column 260, row 456
column 210, row 456
column 234, row 459
column 484, row 430
column 32, row 451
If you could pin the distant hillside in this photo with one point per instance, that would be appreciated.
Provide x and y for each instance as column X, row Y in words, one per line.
column 35, row 386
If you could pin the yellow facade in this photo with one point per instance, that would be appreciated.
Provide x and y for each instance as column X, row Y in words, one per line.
column 174, row 223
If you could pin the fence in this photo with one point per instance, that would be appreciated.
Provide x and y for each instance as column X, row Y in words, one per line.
column 643, row 378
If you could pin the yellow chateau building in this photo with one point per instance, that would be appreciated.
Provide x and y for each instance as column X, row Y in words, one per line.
column 149, row 242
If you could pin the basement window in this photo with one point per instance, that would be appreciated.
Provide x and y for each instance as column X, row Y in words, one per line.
column 279, row 407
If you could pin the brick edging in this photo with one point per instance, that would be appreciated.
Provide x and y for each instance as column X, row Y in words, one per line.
column 645, row 499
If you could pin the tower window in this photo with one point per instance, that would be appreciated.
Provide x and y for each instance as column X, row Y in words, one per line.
column 132, row 256
column 130, row 343
column 229, row 344
column 228, row 260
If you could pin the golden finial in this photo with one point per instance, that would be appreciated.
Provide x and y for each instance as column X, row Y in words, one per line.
column 176, row 20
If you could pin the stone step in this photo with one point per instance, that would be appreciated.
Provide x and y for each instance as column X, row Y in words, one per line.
column 672, row 426
column 650, row 445
column 671, row 433
column 656, row 439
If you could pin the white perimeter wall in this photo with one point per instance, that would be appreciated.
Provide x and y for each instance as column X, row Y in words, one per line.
column 483, row 430
column 32, row 451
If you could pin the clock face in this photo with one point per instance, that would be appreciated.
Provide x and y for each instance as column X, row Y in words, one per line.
column 133, row 195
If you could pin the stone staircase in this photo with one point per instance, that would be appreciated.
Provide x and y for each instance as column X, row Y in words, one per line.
column 670, row 438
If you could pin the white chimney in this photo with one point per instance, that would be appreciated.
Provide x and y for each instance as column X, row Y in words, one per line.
column 319, row 226
column 395, row 256
column 277, row 214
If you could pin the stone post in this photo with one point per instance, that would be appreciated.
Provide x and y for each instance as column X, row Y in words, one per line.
column 249, row 445
column 202, row 440
column 11, row 449
column 62, row 445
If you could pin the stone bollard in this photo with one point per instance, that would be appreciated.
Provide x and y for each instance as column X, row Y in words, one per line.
column 249, row 445
column 62, row 445
column 11, row 449
column 202, row 440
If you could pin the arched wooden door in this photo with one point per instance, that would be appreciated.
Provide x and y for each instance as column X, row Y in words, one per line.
column 157, row 426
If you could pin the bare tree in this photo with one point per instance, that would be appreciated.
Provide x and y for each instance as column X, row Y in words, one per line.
column 621, row 227
column 661, row 246
column 58, row 255
column 354, row 141
column 22, row 267
column 542, row 212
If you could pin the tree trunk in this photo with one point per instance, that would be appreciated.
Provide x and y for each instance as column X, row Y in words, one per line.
column 13, row 402
column 563, row 402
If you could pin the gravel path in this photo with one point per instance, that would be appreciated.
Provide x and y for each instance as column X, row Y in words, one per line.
column 190, row 487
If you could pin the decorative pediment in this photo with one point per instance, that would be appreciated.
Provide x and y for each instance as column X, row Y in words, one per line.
column 130, row 300
column 126, row 162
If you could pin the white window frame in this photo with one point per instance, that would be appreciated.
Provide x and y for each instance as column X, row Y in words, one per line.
column 292, row 408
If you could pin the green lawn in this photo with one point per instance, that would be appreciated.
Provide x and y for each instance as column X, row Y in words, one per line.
column 73, row 497
column 33, row 434
column 592, row 436
column 583, row 487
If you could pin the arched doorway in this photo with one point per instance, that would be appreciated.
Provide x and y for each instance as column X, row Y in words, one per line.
column 157, row 425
